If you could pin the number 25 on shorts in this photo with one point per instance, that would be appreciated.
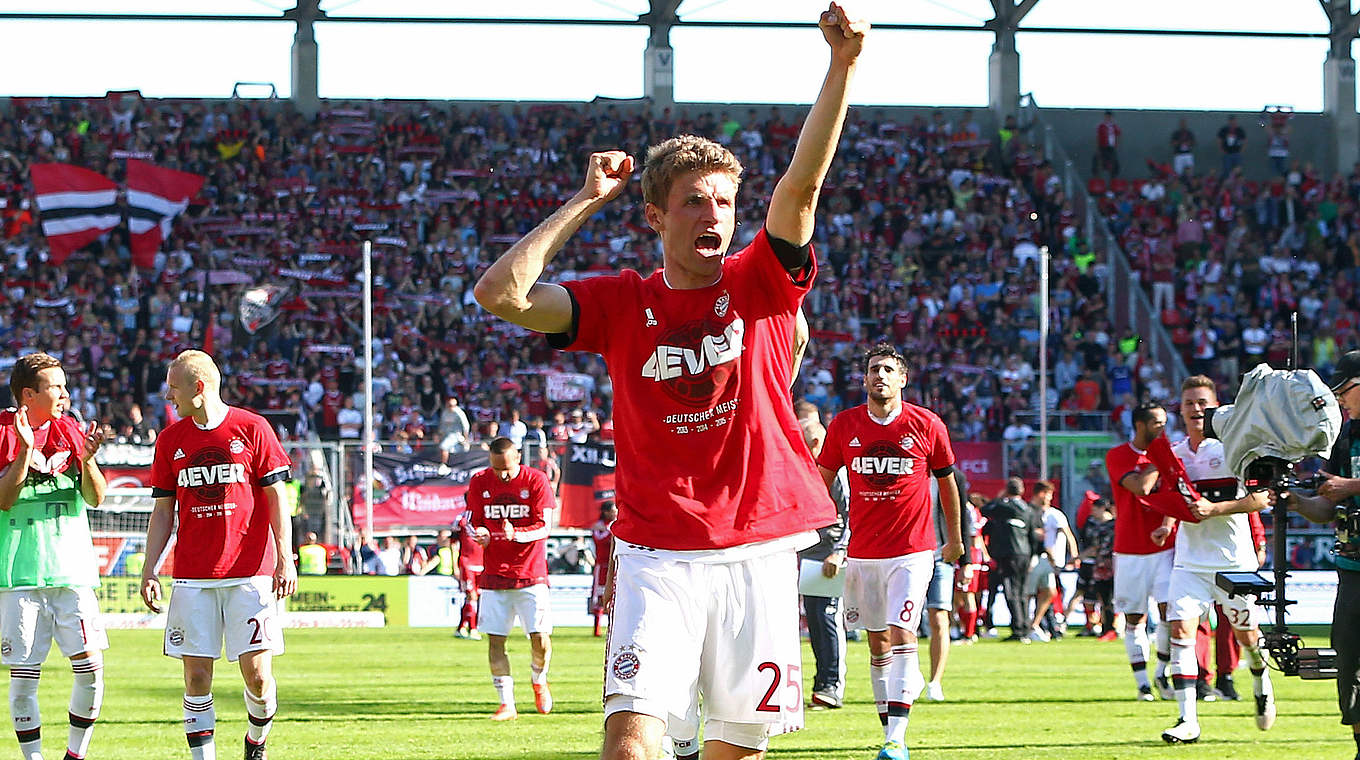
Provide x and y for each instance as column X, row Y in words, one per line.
column 777, row 676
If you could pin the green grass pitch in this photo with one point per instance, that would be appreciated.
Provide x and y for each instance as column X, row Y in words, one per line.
column 423, row 695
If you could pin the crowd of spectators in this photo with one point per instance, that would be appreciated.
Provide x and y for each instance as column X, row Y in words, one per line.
column 929, row 235
column 1226, row 259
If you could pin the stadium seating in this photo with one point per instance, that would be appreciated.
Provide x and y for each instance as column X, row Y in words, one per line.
column 928, row 236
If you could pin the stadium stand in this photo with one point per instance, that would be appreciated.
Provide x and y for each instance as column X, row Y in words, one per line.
column 929, row 236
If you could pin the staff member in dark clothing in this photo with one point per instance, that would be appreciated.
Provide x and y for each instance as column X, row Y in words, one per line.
column 1338, row 495
column 825, row 618
column 1013, row 532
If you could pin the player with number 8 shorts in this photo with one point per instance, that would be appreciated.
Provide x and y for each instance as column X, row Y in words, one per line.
column 890, row 450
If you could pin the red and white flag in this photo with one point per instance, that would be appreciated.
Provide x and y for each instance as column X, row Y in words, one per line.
column 76, row 205
column 155, row 197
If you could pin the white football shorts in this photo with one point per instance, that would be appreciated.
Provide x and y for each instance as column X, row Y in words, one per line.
column 1194, row 593
column 243, row 613
column 497, row 609
column 726, row 631
column 30, row 618
column 1139, row 576
column 888, row 591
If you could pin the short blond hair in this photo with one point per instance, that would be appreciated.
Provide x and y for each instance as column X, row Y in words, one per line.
column 1199, row 381
column 197, row 365
column 686, row 153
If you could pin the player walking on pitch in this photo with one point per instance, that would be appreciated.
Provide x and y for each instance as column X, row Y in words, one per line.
column 716, row 489
column 47, row 563
column 222, row 470
column 890, row 450
column 1214, row 536
column 508, row 505
column 1142, row 560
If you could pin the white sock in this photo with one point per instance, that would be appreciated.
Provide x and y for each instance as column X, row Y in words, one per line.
column 261, row 710
column 904, row 686
column 505, row 689
column 538, row 676
column 878, row 680
column 1136, row 645
column 1184, row 671
column 687, row 747
column 87, row 694
column 23, row 709
column 1256, row 661
column 200, row 720
column 1163, row 648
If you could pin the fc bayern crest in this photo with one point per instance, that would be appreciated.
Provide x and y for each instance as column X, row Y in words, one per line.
column 720, row 306
column 626, row 665
column 6, row 647
column 907, row 442
column 524, row 493
column 237, row 446
column 175, row 637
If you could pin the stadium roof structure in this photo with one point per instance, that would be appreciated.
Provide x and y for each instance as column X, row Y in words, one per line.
column 1003, row 19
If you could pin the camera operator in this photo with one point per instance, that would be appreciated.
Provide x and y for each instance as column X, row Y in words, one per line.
column 1340, row 488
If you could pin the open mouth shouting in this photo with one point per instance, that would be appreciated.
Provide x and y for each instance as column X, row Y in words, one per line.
column 709, row 244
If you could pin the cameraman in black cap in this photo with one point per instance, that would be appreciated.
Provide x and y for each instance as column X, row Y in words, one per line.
column 1340, row 488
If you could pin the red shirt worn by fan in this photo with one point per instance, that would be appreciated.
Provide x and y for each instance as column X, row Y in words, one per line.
column 217, row 477
column 709, row 453
column 523, row 500
column 889, row 468
column 1134, row 520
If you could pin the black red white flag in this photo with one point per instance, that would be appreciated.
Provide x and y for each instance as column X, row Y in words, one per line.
column 76, row 205
column 155, row 197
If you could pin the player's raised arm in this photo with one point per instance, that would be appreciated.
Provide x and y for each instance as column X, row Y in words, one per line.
column 510, row 288
column 795, row 197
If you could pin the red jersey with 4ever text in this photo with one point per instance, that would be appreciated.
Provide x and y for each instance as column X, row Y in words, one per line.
column 889, row 467
column 709, row 453
column 1134, row 521
column 217, row 477
column 523, row 500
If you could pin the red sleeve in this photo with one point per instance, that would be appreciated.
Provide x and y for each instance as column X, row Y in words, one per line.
column 8, row 441
column 831, row 458
column 162, row 478
column 269, row 454
column 941, row 451
column 542, row 502
column 1118, row 465
column 597, row 301
column 1171, row 504
column 1258, row 530
column 783, row 291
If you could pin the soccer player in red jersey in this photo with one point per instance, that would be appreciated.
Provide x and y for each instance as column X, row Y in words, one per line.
column 509, row 505
column 603, row 537
column 222, row 470
column 469, row 569
column 1143, row 541
column 890, row 450
column 716, row 489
